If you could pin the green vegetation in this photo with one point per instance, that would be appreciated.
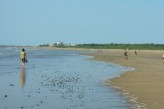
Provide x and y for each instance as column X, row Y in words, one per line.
column 44, row 45
column 151, row 46
column 122, row 46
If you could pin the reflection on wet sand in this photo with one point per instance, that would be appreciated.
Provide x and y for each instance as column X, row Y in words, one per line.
column 22, row 77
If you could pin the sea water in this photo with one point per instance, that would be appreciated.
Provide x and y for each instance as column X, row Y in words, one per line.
column 57, row 79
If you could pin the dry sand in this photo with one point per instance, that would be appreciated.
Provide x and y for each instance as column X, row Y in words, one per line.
column 146, row 83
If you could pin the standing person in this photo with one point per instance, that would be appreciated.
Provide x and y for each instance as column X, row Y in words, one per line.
column 135, row 52
column 163, row 58
column 126, row 54
column 23, row 57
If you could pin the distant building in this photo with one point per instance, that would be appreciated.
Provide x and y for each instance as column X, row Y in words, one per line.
column 60, row 44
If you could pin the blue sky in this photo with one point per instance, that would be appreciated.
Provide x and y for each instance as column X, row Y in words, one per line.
column 34, row 22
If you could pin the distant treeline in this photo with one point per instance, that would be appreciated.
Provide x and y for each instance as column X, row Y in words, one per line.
column 148, row 46
column 122, row 46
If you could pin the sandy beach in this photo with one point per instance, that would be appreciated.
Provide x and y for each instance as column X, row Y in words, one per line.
column 145, row 83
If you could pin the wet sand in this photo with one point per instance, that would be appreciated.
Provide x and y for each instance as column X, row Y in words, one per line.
column 145, row 84
column 58, row 79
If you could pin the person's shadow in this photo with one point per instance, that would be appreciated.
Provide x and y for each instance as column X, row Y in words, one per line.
column 22, row 77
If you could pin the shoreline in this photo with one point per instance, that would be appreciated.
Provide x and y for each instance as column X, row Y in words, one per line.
column 73, row 80
column 144, row 84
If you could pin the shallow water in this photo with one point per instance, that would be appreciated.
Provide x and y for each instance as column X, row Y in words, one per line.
column 56, row 79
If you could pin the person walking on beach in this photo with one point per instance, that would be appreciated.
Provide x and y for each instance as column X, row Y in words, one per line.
column 135, row 52
column 126, row 54
column 163, row 58
column 23, row 57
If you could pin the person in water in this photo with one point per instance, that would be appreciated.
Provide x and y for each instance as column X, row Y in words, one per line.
column 23, row 57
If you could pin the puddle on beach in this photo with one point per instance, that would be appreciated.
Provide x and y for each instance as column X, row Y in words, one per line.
column 60, row 80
